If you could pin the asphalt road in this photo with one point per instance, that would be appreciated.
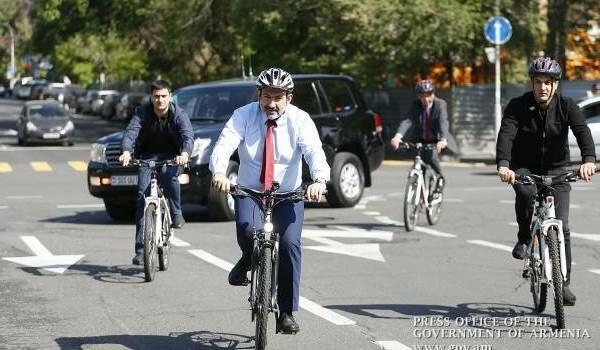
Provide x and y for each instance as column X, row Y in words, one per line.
column 66, row 281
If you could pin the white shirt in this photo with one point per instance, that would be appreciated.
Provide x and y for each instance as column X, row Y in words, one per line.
column 295, row 135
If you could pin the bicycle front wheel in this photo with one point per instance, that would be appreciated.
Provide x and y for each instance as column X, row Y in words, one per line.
column 411, row 206
column 150, row 249
column 539, row 289
column 164, row 249
column 557, row 278
column 263, row 298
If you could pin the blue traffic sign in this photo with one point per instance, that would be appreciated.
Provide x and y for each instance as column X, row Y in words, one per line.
column 498, row 30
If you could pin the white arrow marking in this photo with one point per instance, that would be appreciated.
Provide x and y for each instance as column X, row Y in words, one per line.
column 363, row 250
column 43, row 258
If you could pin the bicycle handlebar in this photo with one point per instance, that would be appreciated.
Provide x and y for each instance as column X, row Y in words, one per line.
column 416, row 145
column 154, row 163
column 548, row 180
column 295, row 195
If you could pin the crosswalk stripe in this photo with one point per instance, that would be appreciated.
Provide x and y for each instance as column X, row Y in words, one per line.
column 78, row 165
column 5, row 167
column 41, row 166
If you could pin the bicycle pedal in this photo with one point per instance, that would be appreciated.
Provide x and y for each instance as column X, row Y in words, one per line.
column 526, row 274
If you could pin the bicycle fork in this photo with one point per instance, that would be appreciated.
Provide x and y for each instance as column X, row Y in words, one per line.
column 271, row 236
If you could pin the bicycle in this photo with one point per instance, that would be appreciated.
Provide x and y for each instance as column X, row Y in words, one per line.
column 265, row 258
column 157, row 221
column 545, row 262
column 420, row 194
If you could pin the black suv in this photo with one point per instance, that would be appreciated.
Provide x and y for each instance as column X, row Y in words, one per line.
column 350, row 132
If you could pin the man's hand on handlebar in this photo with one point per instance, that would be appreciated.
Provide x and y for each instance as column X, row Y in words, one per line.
column 221, row 183
column 441, row 144
column 125, row 158
column 395, row 142
column 506, row 175
column 182, row 159
column 586, row 170
column 315, row 191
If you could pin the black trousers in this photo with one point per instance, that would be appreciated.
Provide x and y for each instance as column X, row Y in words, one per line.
column 525, row 194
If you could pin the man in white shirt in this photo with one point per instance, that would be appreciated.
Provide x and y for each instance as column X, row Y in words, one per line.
column 273, row 131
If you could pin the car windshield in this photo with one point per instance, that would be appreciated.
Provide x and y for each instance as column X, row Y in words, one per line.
column 214, row 103
column 46, row 111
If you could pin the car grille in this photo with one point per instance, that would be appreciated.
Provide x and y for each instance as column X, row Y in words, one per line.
column 113, row 151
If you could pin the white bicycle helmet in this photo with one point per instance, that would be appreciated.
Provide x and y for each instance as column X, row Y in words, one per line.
column 275, row 78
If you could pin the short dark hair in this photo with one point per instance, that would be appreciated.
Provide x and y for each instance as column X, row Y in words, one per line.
column 160, row 84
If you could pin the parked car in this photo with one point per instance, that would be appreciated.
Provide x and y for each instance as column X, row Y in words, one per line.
column 351, row 134
column 44, row 121
column 590, row 109
column 108, row 108
column 98, row 101
column 128, row 104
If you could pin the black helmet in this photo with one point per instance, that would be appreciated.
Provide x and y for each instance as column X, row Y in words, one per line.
column 545, row 66
column 275, row 78
column 424, row 86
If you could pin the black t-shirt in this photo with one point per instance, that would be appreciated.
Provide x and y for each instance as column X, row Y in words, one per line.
column 155, row 138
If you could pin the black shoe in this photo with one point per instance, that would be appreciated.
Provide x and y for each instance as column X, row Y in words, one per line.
column 178, row 221
column 286, row 324
column 237, row 276
column 519, row 251
column 138, row 259
column 439, row 187
column 568, row 297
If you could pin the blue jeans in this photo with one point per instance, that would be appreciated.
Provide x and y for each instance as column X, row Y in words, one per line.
column 170, row 184
column 288, row 219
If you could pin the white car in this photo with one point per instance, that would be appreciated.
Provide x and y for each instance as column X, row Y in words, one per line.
column 590, row 108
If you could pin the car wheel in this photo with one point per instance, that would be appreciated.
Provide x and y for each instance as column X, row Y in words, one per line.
column 221, row 205
column 347, row 181
column 120, row 211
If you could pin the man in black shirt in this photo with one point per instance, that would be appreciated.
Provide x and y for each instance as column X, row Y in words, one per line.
column 159, row 130
column 533, row 139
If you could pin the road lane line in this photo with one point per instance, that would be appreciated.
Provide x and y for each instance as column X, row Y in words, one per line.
column 589, row 236
column 436, row 233
column 371, row 213
column 597, row 271
column 3, row 207
column 324, row 313
column 78, row 165
column 491, row 245
column 76, row 206
column 5, row 167
column 178, row 242
column 36, row 246
column 392, row 345
column 306, row 304
column 34, row 196
column 41, row 166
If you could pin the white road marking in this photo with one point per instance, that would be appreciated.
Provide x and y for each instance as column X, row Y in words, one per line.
column 597, row 271
column 178, row 242
column 491, row 245
column 371, row 213
column 3, row 207
column 360, row 207
column 24, row 197
column 76, row 206
column 306, row 304
column 360, row 250
column 386, row 220
column 589, row 236
column 454, row 200
column 506, row 201
column 392, row 345
column 433, row 232
column 43, row 258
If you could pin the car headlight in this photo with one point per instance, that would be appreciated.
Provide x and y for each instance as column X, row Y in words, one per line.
column 69, row 126
column 31, row 126
column 201, row 150
column 98, row 153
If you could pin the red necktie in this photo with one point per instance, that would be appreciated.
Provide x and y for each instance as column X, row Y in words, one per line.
column 427, row 124
column 266, row 175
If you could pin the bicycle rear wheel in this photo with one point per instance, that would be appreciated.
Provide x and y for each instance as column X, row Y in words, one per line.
column 150, row 249
column 263, row 298
column 557, row 278
column 435, row 206
column 539, row 289
column 411, row 207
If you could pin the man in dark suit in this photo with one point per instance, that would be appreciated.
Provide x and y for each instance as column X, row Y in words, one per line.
column 429, row 116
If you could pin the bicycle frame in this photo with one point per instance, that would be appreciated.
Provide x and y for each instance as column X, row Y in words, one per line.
column 419, row 169
column 157, row 198
column 544, row 218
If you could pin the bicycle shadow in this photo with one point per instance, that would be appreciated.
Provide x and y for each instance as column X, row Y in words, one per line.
column 108, row 274
column 202, row 340
column 483, row 312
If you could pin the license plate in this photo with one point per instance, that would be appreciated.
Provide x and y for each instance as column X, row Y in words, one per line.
column 124, row 180
column 51, row 135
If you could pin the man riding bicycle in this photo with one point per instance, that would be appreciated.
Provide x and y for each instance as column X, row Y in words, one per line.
column 271, row 137
column 533, row 139
column 159, row 130
column 429, row 115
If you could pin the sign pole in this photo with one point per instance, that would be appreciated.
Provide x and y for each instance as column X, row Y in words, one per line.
column 498, row 107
